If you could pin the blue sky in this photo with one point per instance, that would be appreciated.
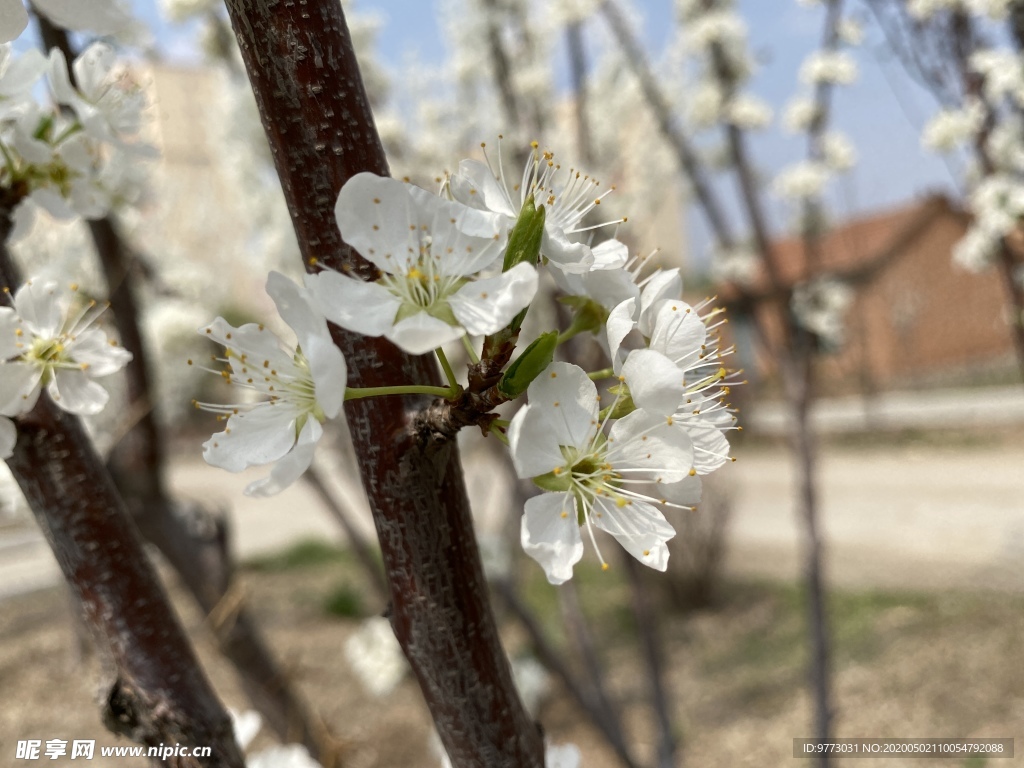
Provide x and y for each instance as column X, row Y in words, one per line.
column 882, row 112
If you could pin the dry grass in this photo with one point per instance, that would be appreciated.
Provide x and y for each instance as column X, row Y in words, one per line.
column 906, row 665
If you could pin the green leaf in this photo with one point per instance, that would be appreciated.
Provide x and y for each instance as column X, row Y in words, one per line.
column 529, row 365
column 524, row 242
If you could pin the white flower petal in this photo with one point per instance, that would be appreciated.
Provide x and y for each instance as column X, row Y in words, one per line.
column 366, row 308
column 710, row 448
column 19, row 388
column 550, row 535
column 93, row 348
column 8, row 437
column 562, row 756
column 620, row 324
column 421, row 333
column 686, row 492
column 654, row 381
column 567, row 398
column 474, row 185
column 104, row 17
column 245, row 725
column 565, row 255
column 13, row 19
column 23, row 72
column 74, row 392
column 260, row 347
column 293, row 305
column 291, row 466
column 329, row 373
column 41, row 305
column 644, row 441
column 611, row 254
column 287, row 756
column 678, row 332
column 639, row 527
column 378, row 217
column 488, row 305
column 9, row 340
column 665, row 284
column 534, row 443
column 259, row 436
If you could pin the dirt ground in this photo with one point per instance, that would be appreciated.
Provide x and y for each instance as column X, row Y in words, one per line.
column 906, row 665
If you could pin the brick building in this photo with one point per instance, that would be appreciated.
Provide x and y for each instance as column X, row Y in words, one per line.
column 917, row 318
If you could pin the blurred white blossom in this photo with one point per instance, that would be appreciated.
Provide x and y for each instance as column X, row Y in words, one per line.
column 801, row 181
column 950, row 128
column 836, row 67
column 820, row 306
column 748, row 112
column 375, row 656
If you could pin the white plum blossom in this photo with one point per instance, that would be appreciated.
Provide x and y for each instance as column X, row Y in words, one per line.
column 800, row 114
column 837, row 152
column 430, row 252
column 107, row 103
column 976, row 250
column 737, row 265
column 705, row 105
column 246, row 725
column 611, row 278
column 567, row 196
column 925, row 9
column 850, row 31
column 723, row 27
column 801, row 180
column 46, row 341
column 677, row 373
column 302, row 387
column 820, row 307
column 835, row 67
column 375, row 656
column 591, row 477
column 1003, row 72
column 748, row 112
column 950, row 128
column 532, row 681
column 998, row 204
column 1005, row 145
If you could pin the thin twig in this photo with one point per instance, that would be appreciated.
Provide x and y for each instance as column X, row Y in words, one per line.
column 647, row 629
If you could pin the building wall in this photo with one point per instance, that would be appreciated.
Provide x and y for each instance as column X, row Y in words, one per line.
column 923, row 319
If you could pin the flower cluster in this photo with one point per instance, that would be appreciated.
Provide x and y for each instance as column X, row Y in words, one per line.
column 833, row 154
column 716, row 37
column 48, row 340
column 463, row 265
column 987, row 121
column 301, row 387
column 74, row 161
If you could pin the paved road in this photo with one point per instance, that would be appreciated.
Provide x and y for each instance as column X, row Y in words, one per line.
column 897, row 517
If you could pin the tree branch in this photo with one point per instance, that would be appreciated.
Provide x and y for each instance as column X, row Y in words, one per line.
column 159, row 694
column 193, row 539
column 316, row 115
